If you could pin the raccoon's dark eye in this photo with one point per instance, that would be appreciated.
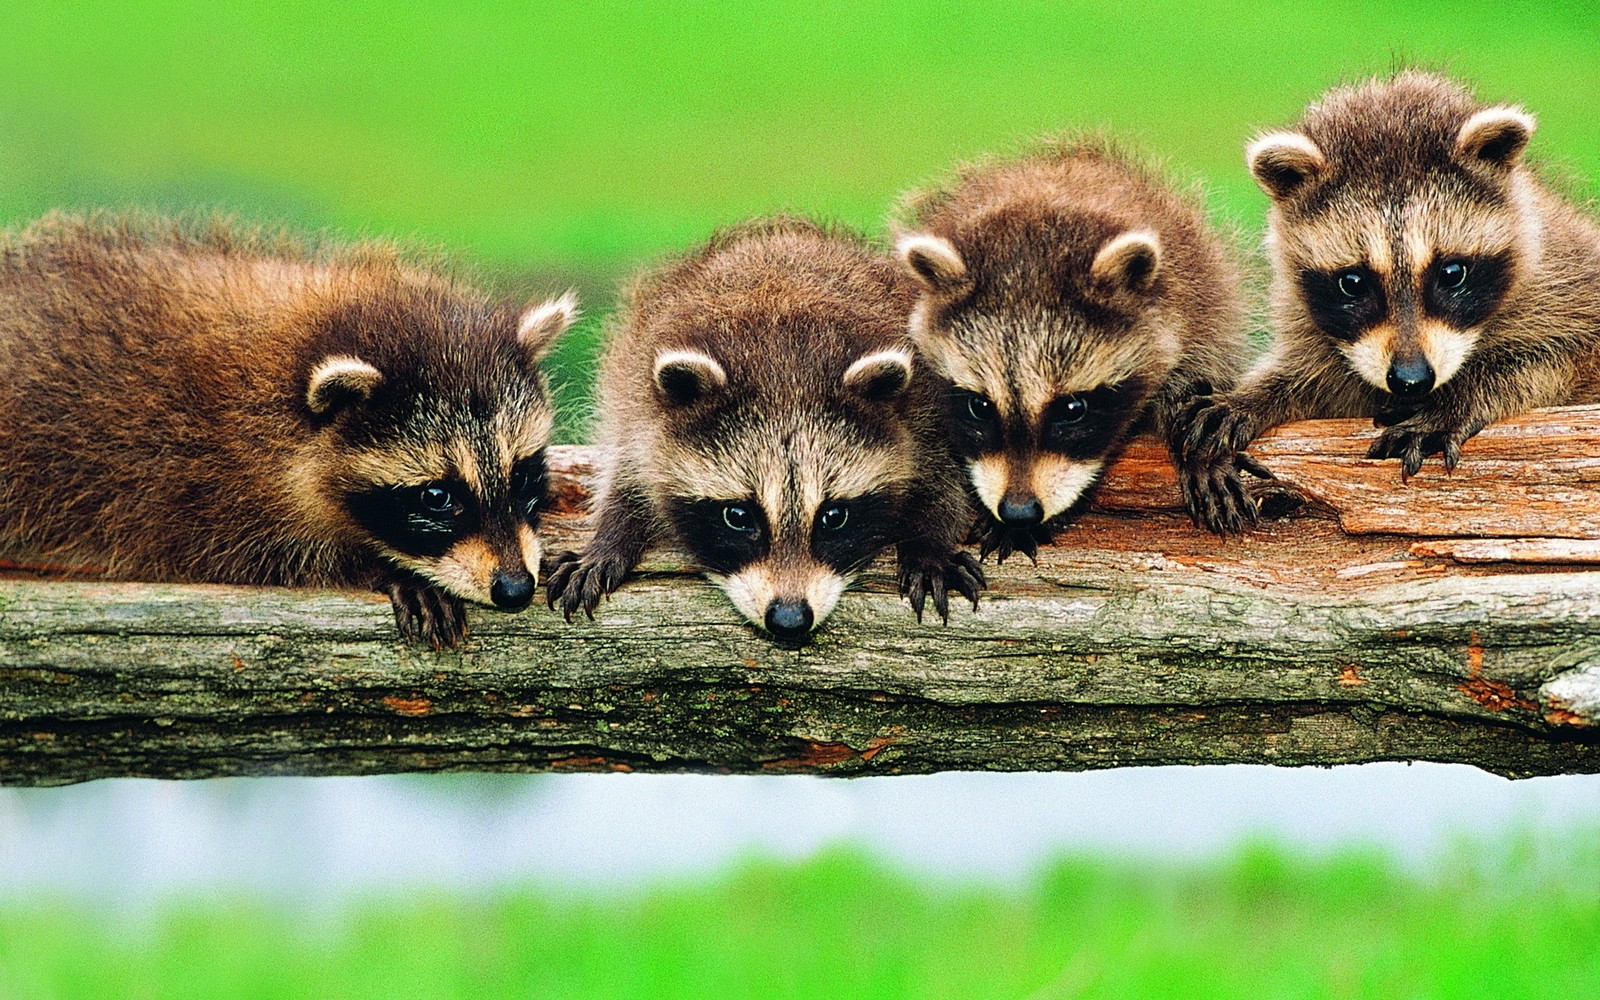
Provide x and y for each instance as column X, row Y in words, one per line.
column 436, row 498
column 1353, row 284
column 739, row 519
column 1452, row 275
column 1070, row 411
column 834, row 518
column 979, row 407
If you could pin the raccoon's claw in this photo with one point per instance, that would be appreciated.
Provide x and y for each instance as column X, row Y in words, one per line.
column 424, row 613
column 575, row 583
column 992, row 536
column 1416, row 437
column 1215, row 496
column 1209, row 430
column 959, row 572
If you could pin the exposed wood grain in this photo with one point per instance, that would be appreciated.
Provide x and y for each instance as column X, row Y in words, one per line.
column 1134, row 640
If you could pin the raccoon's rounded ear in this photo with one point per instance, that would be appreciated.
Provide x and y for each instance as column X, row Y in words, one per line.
column 543, row 322
column 879, row 376
column 686, row 377
column 1129, row 262
column 339, row 380
column 1495, row 136
column 1284, row 163
column 933, row 260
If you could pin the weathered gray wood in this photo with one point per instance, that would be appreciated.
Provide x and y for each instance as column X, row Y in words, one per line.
column 1134, row 640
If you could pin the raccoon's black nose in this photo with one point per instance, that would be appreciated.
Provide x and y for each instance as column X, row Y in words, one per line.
column 511, row 591
column 1411, row 379
column 1021, row 515
column 789, row 619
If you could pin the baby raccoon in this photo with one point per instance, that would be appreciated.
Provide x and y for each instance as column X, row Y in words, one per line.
column 1422, row 276
column 759, row 399
column 1070, row 299
column 197, row 402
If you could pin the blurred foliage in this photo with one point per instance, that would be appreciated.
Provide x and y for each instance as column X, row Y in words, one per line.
column 1498, row 920
column 574, row 141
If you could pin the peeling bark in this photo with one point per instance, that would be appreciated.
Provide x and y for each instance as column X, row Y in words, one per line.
column 1446, row 619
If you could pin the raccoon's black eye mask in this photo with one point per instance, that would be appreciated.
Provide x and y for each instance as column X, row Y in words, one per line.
column 724, row 535
column 530, row 487
column 846, row 534
column 1085, row 425
column 1465, row 291
column 420, row 520
column 1344, row 303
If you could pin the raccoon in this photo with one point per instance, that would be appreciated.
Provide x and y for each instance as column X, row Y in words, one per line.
column 191, row 400
column 1069, row 298
column 760, row 401
column 1422, row 276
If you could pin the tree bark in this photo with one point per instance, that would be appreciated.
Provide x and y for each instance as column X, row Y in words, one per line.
column 1450, row 618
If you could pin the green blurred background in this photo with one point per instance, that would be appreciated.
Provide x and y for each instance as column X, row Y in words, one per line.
column 557, row 143
column 550, row 144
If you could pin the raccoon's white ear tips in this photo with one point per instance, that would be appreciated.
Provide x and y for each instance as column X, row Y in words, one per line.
column 543, row 322
column 686, row 377
column 1495, row 136
column 879, row 376
column 933, row 260
column 339, row 380
column 1285, row 162
column 1130, row 262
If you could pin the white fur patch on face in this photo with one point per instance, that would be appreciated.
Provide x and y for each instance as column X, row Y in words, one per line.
column 822, row 592
column 749, row 590
column 541, row 324
column 753, row 589
column 934, row 261
column 1282, row 162
column 339, row 378
column 1446, row 349
column 532, row 551
column 1058, row 482
column 988, row 474
column 466, row 570
column 1370, row 356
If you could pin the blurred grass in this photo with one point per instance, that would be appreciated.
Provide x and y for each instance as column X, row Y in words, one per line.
column 569, row 142
column 1499, row 921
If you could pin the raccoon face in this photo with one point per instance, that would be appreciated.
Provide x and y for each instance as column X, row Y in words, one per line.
column 1040, row 396
column 1402, row 268
column 783, row 509
column 443, row 472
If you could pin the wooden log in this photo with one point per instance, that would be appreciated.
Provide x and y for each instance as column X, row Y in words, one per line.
column 1449, row 618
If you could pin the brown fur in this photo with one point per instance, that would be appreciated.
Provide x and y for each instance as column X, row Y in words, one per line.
column 762, row 328
column 1076, row 272
column 155, row 420
column 1390, row 189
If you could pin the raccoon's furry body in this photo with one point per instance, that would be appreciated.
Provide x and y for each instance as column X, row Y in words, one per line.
column 194, row 401
column 1423, row 275
column 1070, row 298
column 759, row 399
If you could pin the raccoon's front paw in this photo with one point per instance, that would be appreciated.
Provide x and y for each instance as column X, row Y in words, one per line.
column 424, row 613
column 935, row 575
column 577, row 580
column 994, row 536
column 1210, row 429
column 1412, row 436
column 1208, row 451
